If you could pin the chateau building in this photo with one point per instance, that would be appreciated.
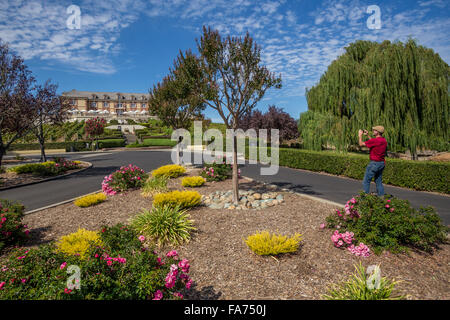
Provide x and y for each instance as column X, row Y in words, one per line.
column 108, row 105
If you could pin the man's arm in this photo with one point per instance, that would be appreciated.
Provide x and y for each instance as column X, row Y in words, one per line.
column 361, row 133
column 361, row 143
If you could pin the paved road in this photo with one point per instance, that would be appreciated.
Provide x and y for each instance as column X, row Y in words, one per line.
column 319, row 185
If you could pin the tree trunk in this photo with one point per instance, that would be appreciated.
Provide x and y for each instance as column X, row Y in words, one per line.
column 180, row 139
column 235, row 172
column 2, row 152
column 41, row 140
column 43, row 156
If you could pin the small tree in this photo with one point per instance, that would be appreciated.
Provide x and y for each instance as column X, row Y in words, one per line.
column 51, row 109
column 17, row 111
column 274, row 118
column 176, row 100
column 95, row 127
column 233, row 81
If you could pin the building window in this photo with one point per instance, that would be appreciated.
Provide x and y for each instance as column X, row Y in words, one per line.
column 133, row 105
column 105, row 104
column 73, row 102
column 93, row 104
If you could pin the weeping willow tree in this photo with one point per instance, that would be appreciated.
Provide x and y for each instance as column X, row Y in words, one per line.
column 402, row 86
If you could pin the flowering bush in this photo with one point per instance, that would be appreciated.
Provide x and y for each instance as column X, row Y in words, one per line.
column 183, row 199
column 386, row 223
column 127, row 177
column 170, row 171
column 192, row 181
column 121, row 268
column 90, row 200
column 48, row 168
column 217, row 171
column 12, row 230
column 346, row 240
column 95, row 126
column 263, row 243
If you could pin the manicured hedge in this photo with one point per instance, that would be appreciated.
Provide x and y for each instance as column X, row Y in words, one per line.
column 77, row 145
column 418, row 175
column 111, row 143
column 159, row 142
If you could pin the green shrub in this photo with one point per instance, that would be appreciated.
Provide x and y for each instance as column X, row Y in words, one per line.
column 12, row 231
column 357, row 287
column 389, row 223
column 263, row 243
column 127, row 177
column 418, row 175
column 170, row 171
column 121, row 269
column 164, row 225
column 111, row 143
column 192, row 182
column 77, row 146
column 48, row 168
column 154, row 185
column 159, row 142
column 184, row 199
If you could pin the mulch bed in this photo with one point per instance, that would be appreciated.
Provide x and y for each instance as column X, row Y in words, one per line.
column 223, row 267
column 12, row 179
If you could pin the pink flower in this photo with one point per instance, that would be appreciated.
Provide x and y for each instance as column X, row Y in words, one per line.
column 392, row 210
column 2, row 284
column 188, row 284
column 184, row 265
column 177, row 294
column 388, row 200
column 63, row 265
column 387, row 206
column 172, row 253
column 67, row 291
column 158, row 295
column 141, row 238
column 24, row 280
column 322, row 226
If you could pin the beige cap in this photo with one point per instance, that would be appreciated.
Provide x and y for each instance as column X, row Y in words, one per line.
column 380, row 129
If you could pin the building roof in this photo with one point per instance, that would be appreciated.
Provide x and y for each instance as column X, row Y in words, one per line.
column 104, row 95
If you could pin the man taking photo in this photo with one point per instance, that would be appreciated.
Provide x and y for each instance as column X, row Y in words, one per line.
column 374, row 170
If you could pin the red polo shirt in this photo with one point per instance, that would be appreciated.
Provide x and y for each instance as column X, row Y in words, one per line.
column 377, row 148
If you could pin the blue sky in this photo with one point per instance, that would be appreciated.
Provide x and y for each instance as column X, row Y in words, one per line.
column 129, row 45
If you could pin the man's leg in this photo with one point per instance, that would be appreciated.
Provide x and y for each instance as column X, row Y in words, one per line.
column 379, row 180
column 370, row 173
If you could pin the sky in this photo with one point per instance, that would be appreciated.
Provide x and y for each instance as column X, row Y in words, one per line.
column 129, row 45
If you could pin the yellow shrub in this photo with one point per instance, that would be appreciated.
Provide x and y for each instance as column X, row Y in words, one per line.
column 265, row 244
column 185, row 199
column 90, row 200
column 193, row 181
column 78, row 243
column 170, row 170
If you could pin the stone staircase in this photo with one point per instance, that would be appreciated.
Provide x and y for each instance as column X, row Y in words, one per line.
column 131, row 138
